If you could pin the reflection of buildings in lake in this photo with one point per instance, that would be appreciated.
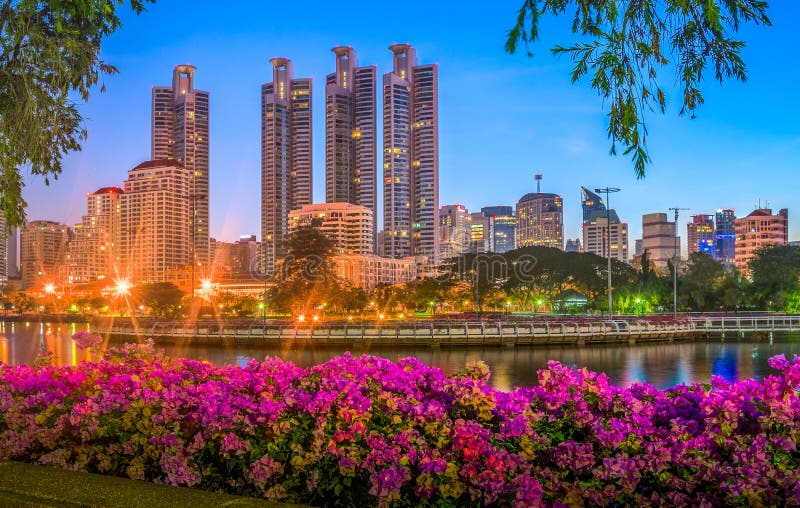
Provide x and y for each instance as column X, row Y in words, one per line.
column 3, row 349
column 725, row 364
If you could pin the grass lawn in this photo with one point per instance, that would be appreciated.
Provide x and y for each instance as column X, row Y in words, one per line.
column 26, row 485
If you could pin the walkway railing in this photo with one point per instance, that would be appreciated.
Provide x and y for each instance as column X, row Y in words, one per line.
column 747, row 324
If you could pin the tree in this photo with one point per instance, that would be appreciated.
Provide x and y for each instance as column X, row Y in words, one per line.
column 163, row 298
column 49, row 54
column 775, row 272
column 624, row 45
column 306, row 279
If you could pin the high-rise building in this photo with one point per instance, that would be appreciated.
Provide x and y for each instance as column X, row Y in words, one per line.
column 13, row 254
column 758, row 230
column 659, row 239
column 480, row 237
column 180, row 131
column 700, row 234
column 502, row 228
column 235, row 258
column 155, row 221
column 598, row 235
column 454, row 231
column 590, row 202
column 285, row 157
column 411, row 157
column 349, row 226
column 725, row 237
column 3, row 251
column 93, row 251
column 43, row 250
column 350, row 132
column 540, row 219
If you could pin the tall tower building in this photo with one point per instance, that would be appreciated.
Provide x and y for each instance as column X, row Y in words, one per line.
column 540, row 219
column 700, row 234
column 410, row 156
column 725, row 237
column 350, row 133
column 43, row 249
column 180, row 132
column 155, row 220
column 285, row 157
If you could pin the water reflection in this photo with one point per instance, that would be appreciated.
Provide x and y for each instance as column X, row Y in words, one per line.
column 663, row 364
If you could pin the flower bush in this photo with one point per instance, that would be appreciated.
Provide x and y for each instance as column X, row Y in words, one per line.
column 361, row 431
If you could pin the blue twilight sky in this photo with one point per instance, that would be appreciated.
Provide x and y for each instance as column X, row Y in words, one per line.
column 503, row 118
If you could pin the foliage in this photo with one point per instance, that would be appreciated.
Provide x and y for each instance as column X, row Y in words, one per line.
column 625, row 48
column 49, row 53
column 163, row 298
column 306, row 282
column 775, row 271
column 370, row 432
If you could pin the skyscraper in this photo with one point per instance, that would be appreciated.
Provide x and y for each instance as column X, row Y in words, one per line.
column 759, row 229
column 180, row 131
column 94, row 249
column 454, row 231
column 410, row 157
column 604, row 234
column 725, row 237
column 700, row 234
column 659, row 239
column 479, row 228
column 285, row 156
column 43, row 248
column 3, row 251
column 155, row 220
column 540, row 219
column 502, row 228
column 350, row 133
column 590, row 202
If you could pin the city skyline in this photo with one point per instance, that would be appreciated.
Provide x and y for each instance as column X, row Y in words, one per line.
column 753, row 133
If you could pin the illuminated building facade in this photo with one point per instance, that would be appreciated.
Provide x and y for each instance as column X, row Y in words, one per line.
column 758, row 230
column 502, row 228
column 540, row 220
column 350, row 132
column 180, row 130
column 155, row 221
column 700, row 234
column 93, row 252
column 411, row 157
column 349, row 226
column 286, row 166
column 454, row 231
column 43, row 246
column 725, row 237
column 597, row 233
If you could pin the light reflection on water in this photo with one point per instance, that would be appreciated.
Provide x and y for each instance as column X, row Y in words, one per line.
column 661, row 364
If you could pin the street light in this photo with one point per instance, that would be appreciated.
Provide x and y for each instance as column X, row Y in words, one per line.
column 50, row 288
column 607, row 191
column 675, row 258
column 122, row 287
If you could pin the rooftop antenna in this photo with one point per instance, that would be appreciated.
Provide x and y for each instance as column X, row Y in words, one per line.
column 538, row 178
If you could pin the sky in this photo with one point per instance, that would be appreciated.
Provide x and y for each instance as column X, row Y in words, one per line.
column 503, row 118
